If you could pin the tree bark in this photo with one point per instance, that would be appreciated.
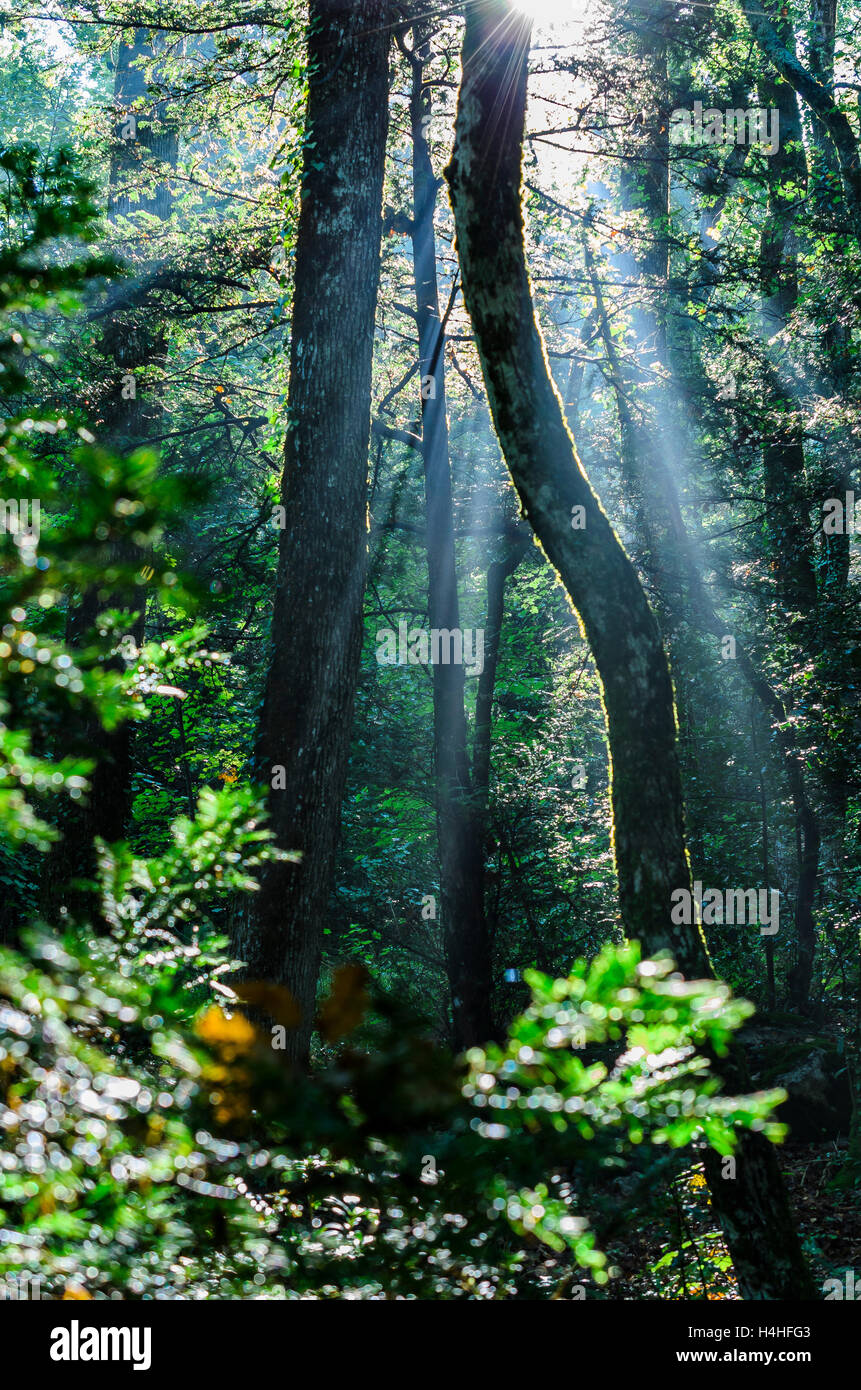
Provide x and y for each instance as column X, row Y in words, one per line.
column 783, row 453
column 303, row 739
column 498, row 573
column 459, row 825
column 790, row 540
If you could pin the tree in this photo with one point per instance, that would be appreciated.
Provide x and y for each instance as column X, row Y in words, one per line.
column 460, row 823
column 485, row 181
column 305, row 725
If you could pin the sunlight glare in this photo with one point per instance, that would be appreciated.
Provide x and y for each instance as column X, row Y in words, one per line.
column 545, row 12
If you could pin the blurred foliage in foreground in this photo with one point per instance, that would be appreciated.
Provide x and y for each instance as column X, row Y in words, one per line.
column 156, row 1145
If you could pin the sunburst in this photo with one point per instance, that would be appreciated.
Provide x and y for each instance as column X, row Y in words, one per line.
column 544, row 12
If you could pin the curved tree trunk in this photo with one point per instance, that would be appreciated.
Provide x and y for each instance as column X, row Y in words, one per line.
column 484, row 178
column 485, row 181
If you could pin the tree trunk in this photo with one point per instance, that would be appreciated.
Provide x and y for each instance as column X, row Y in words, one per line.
column 485, row 181
column 303, row 740
column 498, row 573
column 484, row 178
column 839, row 767
column 783, row 473
column 783, row 453
column 459, row 827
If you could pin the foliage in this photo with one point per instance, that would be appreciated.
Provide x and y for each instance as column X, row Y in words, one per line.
column 157, row 1147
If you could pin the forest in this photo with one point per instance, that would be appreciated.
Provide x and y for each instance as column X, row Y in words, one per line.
column 430, row 666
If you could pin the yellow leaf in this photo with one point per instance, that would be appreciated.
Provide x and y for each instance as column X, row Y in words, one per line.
column 219, row 1031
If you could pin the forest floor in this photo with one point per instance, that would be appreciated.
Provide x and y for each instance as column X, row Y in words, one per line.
column 680, row 1254
column 829, row 1218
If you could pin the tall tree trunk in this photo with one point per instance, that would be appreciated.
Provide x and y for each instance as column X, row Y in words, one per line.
column 498, row 572
column 783, row 453
column 303, row 740
column 840, row 677
column 484, row 177
column 459, row 826
column 783, row 473
column 485, row 181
